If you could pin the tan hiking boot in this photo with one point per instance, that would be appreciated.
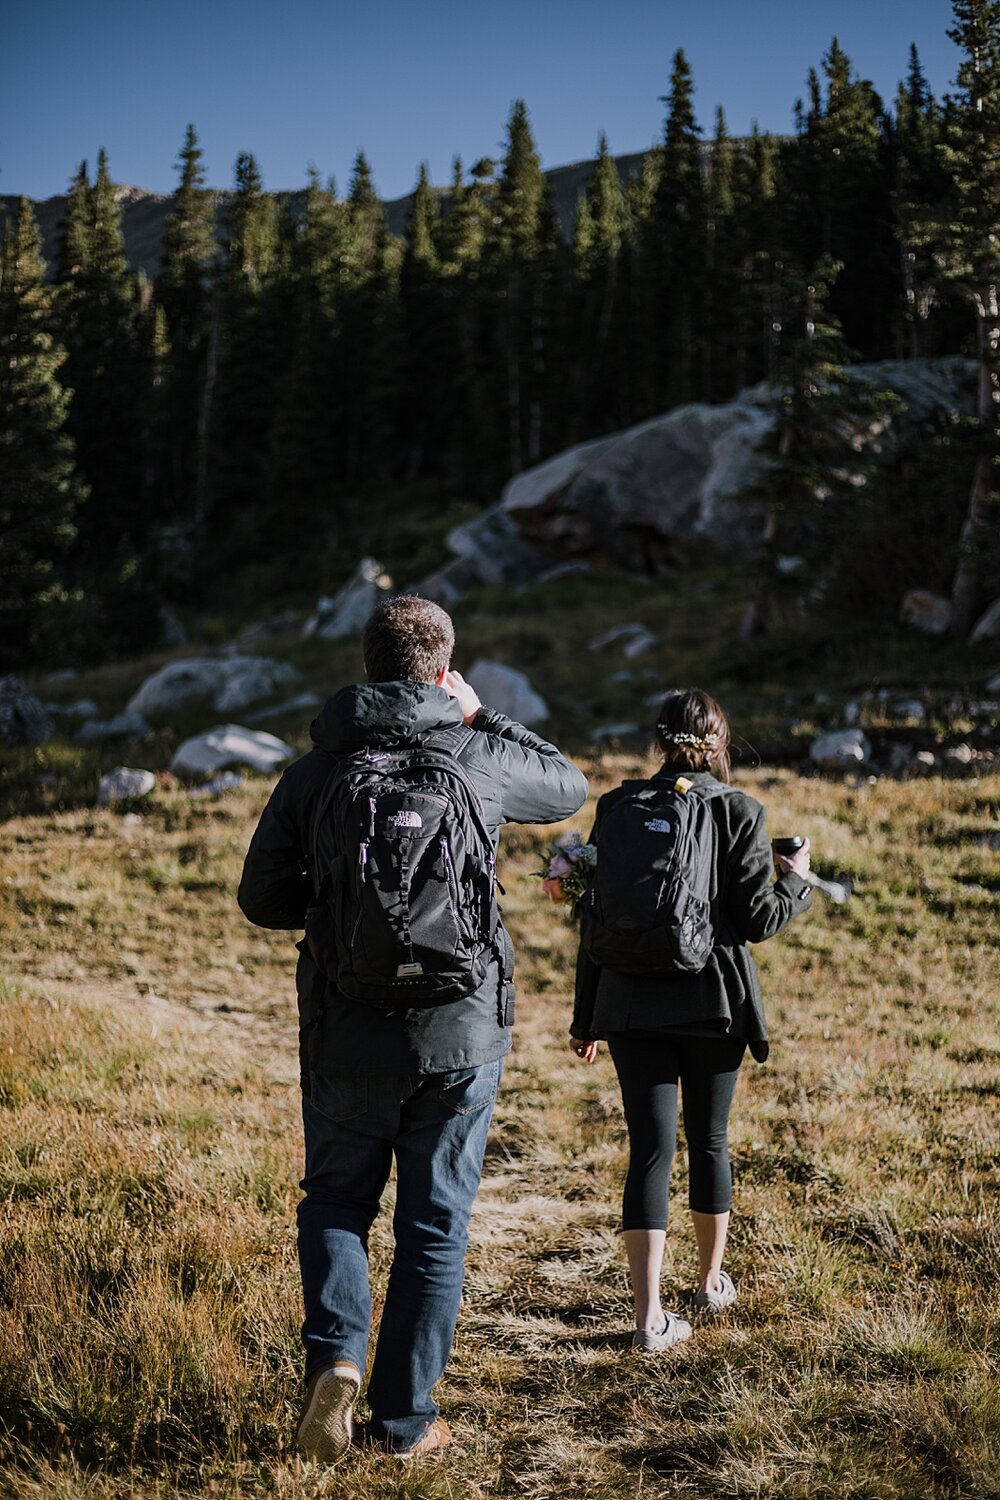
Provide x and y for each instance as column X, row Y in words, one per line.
column 437, row 1436
column 327, row 1426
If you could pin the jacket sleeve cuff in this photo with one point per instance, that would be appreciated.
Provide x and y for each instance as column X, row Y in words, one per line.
column 793, row 885
column 490, row 721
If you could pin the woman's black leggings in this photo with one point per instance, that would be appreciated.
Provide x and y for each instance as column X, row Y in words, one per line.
column 649, row 1066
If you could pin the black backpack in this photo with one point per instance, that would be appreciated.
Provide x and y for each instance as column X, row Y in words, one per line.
column 649, row 907
column 404, row 870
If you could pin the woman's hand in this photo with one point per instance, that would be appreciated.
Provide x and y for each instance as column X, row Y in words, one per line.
column 799, row 861
column 585, row 1051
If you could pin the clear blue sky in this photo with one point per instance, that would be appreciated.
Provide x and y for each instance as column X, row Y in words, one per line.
column 407, row 80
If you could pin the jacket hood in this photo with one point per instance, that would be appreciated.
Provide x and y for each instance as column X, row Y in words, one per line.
column 382, row 713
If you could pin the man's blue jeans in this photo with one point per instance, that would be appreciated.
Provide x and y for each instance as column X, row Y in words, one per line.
column 435, row 1125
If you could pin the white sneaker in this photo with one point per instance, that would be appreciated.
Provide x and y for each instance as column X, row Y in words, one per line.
column 674, row 1331
column 714, row 1302
column 327, row 1426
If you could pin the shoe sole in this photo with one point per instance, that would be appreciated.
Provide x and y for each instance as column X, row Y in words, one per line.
column 327, row 1427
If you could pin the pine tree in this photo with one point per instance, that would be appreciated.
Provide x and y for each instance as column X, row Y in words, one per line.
column 98, row 320
column 819, row 464
column 184, row 287
column 426, row 372
column 304, row 461
column 468, row 312
column 756, row 254
column 73, row 254
column 968, row 246
column 675, row 248
column 251, row 353
column 721, row 271
column 368, row 314
column 524, row 258
column 839, row 185
column 598, row 365
column 917, row 182
column 41, row 491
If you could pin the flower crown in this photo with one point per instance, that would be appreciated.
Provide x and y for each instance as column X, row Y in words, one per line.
column 679, row 737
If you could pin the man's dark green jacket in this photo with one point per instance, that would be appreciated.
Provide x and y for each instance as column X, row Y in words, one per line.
column 749, row 905
column 519, row 777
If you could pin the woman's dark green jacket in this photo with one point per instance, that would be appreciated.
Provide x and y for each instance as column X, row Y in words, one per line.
column 751, row 906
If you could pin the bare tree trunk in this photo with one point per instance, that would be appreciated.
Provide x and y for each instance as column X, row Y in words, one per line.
column 965, row 585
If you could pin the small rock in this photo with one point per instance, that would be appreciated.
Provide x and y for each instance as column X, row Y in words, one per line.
column 842, row 749
column 787, row 565
column 987, row 627
column 925, row 760
column 928, row 612
column 508, row 691
column 962, row 755
column 65, row 674
column 639, row 644
column 910, row 709
column 23, row 719
column 613, row 732
column 852, row 713
column 618, row 633
column 122, row 727
column 230, row 745
column 346, row 613
column 226, row 781
column 124, row 784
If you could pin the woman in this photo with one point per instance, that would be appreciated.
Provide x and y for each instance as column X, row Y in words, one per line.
column 689, row 1029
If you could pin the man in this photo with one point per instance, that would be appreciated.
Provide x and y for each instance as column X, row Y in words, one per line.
column 416, row 1084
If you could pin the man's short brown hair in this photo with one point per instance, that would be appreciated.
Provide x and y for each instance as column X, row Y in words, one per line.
column 407, row 639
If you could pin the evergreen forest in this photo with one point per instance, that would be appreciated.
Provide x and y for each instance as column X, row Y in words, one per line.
column 233, row 429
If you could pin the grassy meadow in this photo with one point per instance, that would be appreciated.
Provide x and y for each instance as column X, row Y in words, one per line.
column 150, row 1151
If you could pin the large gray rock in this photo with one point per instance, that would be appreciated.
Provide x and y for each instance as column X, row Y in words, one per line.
column 225, row 684
column 230, row 745
column 345, row 614
column 509, row 691
column 841, row 750
column 646, row 495
column 23, row 717
column 987, row 627
column 656, row 492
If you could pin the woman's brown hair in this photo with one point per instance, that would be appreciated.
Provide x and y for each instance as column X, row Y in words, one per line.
column 692, row 732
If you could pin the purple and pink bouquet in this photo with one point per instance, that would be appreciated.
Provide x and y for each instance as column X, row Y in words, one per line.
column 568, row 870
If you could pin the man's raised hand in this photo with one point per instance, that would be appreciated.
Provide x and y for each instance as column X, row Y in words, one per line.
column 468, row 699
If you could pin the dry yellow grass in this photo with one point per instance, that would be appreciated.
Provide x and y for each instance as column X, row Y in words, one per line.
column 150, row 1150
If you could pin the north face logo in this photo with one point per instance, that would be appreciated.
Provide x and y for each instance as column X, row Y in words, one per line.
column 659, row 825
column 406, row 818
